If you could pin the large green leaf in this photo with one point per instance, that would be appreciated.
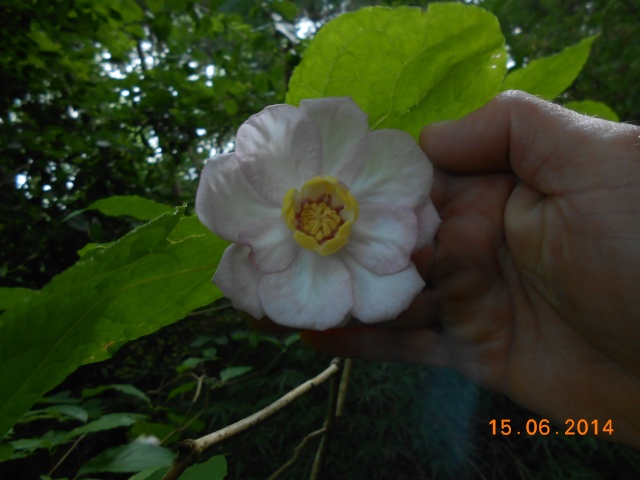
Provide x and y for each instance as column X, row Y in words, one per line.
column 150, row 278
column 9, row 297
column 550, row 76
column 406, row 67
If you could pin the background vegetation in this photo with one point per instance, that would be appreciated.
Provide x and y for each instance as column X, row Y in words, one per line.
column 129, row 98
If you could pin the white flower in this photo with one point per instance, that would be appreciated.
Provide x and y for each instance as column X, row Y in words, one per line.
column 323, row 215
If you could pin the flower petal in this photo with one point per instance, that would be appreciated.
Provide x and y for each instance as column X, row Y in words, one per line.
column 238, row 279
column 428, row 223
column 225, row 202
column 387, row 166
column 382, row 297
column 278, row 149
column 272, row 245
column 313, row 293
column 383, row 238
column 341, row 123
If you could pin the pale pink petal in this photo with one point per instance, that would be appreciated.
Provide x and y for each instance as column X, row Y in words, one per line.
column 383, row 237
column 226, row 203
column 278, row 149
column 341, row 123
column 382, row 297
column 313, row 293
column 272, row 245
column 387, row 166
column 428, row 223
column 238, row 279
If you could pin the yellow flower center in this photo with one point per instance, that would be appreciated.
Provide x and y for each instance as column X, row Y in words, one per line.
column 320, row 215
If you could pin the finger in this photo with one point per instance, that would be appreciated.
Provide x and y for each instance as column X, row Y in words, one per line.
column 547, row 146
column 421, row 345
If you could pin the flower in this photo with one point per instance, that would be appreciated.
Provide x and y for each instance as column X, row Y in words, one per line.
column 323, row 215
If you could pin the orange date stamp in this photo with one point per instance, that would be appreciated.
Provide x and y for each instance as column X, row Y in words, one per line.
column 542, row 427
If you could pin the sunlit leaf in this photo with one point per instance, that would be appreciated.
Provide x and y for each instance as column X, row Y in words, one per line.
column 548, row 77
column 406, row 67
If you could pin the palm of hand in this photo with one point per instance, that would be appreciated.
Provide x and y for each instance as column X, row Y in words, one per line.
column 530, row 287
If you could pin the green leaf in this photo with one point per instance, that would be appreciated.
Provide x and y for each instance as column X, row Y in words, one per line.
column 128, row 10
column 134, row 457
column 233, row 372
column 130, row 206
column 90, row 247
column 6, row 451
column 107, row 422
column 287, row 9
column 14, row 296
column 291, row 339
column 405, row 67
column 156, row 6
column 70, row 411
column 124, row 388
column 594, row 109
column 137, row 285
column 150, row 474
column 550, row 76
column 182, row 389
column 188, row 364
column 162, row 27
column 213, row 469
column 43, row 41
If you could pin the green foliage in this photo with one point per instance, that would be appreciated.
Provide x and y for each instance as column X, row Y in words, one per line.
column 11, row 297
column 594, row 109
column 120, row 98
column 213, row 469
column 535, row 29
column 130, row 205
column 129, row 289
column 109, row 109
column 548, row 77
column 406, row 67
column 134, row 457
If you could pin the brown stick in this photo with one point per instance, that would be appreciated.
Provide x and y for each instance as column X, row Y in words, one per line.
column 189, row 451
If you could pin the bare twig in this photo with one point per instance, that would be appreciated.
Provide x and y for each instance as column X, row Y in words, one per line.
column 344, row 385
column 321, row 454
column 297, row 452
column 189, row 451
column 67, row 453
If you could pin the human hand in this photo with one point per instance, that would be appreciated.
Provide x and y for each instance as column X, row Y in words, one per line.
column 534, row 279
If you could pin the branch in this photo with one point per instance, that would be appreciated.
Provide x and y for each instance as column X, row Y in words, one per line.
column 297, row 452
column 189, row 451
column 344, row 385
column 321, row 454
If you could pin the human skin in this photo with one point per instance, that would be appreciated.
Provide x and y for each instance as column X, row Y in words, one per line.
column 534, row 278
